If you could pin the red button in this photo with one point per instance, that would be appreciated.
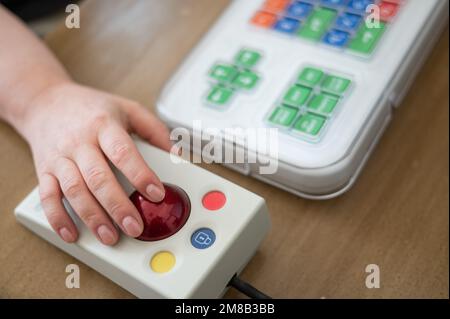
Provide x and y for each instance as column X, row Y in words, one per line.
column 163, row 219
column 388, row 11
column 214, row 200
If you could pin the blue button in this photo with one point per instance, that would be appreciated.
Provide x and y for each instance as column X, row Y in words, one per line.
column 348, row 21
column 336, row 38
column 334, row 3
column 203, row 238
column 287, row 25
column 360, row 5
column 299, row 10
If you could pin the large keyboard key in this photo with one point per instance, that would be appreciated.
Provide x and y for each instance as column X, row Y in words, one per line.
column 333, row 3
column 219, row 95
column 367, row 38
column 336, row 38
column 223, row 73
column 388, row 10
column 360, row 5
column 317, row 24
column 246, row 80
column 247, row 58
column 264, row 19
column 348, row 21
column 299, row 10
column 275, row 6
column 310, row 124
column 335, row 84
column 283, row 116
column 310, row 76
column 287, row 25
column 323, row 103
column 297, row 96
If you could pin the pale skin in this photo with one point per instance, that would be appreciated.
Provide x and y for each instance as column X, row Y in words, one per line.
column 73, row 131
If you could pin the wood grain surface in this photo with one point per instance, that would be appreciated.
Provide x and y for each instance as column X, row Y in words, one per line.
column 396, row 216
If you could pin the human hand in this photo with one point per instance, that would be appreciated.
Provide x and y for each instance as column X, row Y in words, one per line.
column 73, row 131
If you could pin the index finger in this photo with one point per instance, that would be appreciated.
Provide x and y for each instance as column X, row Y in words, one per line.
column 120, row 149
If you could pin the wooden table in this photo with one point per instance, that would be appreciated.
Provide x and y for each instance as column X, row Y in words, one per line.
column 396, row 216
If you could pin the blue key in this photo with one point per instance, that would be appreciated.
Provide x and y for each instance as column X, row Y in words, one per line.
column 348, row 21
column 334, row 3
column 360, row 5
column 203, row 238
column 336, row 38
column 299, row 10
column 287, row 25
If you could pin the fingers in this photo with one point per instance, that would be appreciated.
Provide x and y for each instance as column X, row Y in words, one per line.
column 121, row 150
column 104, row 186
column 51, row 200
column 148, row 126
column 85, row 179
column 76, row 192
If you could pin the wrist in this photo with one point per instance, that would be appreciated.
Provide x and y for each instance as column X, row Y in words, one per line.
column 22, row 114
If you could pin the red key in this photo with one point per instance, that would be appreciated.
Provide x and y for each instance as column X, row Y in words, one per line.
column 388, row 11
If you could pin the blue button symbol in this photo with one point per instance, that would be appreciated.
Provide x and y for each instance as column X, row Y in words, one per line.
column 360, row 5
column 287, row 25
column 203, row 238
column 348, row 21
column 333, row 2
column 299, row 10
column 336, row 38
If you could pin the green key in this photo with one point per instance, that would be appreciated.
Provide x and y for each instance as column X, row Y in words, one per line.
column 310, row 76
column 335, row 84
column 246, row 80
column 247, row 58
column 310, row 124
column 323, row 103
column 296, row 96
column 223, row 73
column 219, row 95
column 317, row 24
column 366, row 38
column 283, row 116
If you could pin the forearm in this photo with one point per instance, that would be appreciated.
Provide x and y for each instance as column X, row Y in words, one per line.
column 27, row 68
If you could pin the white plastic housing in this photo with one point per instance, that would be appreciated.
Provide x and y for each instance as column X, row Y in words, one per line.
column 239, row 226
column 314, row 170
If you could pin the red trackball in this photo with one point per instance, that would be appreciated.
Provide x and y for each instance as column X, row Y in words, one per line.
column 163, row 219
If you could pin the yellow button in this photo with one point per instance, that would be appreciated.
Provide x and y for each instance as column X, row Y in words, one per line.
column 162, row 262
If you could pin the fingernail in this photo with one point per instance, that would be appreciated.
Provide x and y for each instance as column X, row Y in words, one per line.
column 106, row 235
column 132, row 227
column 66, row 235
column 154, row 193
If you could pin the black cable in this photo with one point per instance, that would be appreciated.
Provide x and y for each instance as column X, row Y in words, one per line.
column 246, row 288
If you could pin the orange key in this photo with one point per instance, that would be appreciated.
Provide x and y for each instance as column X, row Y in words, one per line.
column 264, row 19
column 275, row 6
